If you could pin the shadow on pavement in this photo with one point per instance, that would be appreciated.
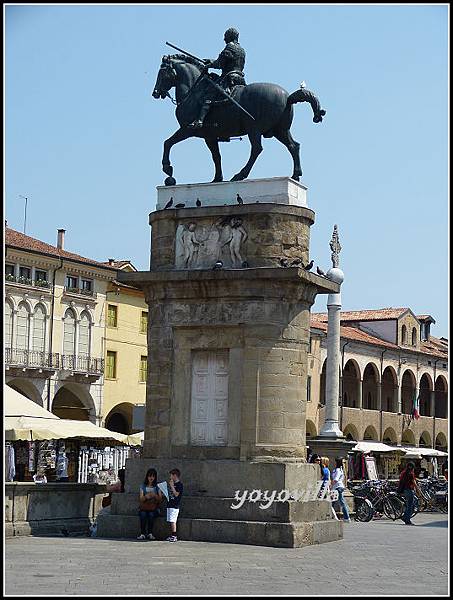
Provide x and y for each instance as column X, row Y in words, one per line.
column 433, row 524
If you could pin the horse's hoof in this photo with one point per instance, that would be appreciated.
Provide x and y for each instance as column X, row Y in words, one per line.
column 170, row 181
column 238, row 177
column 295, row 177
column 217, row 180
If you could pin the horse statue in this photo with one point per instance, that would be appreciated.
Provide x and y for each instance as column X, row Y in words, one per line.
column 268, row 112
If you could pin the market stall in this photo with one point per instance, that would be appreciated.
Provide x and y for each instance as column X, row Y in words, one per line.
column 39, row 442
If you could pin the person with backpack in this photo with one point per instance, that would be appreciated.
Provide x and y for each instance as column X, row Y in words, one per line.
column 407, row 487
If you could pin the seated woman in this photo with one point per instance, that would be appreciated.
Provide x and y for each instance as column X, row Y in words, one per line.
column 150, row 499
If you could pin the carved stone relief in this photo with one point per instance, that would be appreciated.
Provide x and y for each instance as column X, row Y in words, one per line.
column 199, row 245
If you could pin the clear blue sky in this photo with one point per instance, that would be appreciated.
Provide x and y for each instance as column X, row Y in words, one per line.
column 84, row 136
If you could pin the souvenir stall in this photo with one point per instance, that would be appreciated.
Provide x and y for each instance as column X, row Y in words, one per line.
column 374, row 460
column 40, row 445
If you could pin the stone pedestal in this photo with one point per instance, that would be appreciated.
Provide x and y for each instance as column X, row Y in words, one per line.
column 227, row 363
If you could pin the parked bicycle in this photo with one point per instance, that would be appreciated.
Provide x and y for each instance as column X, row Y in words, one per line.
column 373, row 498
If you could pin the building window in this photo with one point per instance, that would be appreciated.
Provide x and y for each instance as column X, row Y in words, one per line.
column 23, row 327
column 84, row 334
column 143, row 368
column 40, row 275
column 403, row 334
column 144, row 322
column 9, row 271
column 72, row 283
column 87, row 287
column 69, row 333
column 110, row 371
column 309, row 389
column 112, row 316
column 414, row 336
column 39, row 329
column 25, row 275
column 8, row 325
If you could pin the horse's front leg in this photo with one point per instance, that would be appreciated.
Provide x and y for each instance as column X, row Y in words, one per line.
column 213, row 146
column 182, row 134
column 256, row 149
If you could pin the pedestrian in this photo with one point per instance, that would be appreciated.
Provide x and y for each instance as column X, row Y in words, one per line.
column 116, row 487
column 150, row 499
column 325, row 476
column 175, row 493
column 338, row 479
column 407, row 487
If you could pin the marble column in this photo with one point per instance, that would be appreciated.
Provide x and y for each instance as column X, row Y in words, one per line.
column 331, row 428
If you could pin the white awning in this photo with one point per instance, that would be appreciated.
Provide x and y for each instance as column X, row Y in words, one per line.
column 26, row 420
column 376, row 447
column 418, row 451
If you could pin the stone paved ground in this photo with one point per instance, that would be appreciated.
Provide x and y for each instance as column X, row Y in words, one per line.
column 380, row 557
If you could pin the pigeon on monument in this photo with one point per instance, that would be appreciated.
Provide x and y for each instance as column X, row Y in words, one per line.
column 169, row 203
column 180, row 205
column 296, row 262
column 198, row 202
column 284, row 262
column 320, row 272
column 309, row 266
column 239, row 199
column 303, row 85
column 218, row 265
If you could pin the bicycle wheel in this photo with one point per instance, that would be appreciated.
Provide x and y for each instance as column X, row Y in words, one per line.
column 364, row 510
column 393, row 507
column 416, row 507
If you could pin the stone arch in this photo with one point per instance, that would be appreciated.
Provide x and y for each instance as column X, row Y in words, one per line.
column 73, row 401
column 119, row 418
column 351, row 382
column 425, row 388
column 27, row 389
column 350, row 432
column 408, row 438
column 441, row 442
column 371, row 434
column 441, row 397
column 389, row 436
column 404, row 335
column 425, row 440
column 389, row 392
column 370, row 386
column 310, row 428
column 408, row 387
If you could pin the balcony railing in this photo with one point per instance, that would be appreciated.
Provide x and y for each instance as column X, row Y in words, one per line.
column 77, row 290
column 32, row 359
column 41, row 283
column 82, row 364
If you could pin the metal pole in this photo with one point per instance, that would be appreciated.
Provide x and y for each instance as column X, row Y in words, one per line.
column 25, row 210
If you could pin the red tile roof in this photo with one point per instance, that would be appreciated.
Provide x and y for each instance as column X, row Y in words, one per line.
column 118, row 264
column 15, row 239
column 365, row 315
column 434, row 346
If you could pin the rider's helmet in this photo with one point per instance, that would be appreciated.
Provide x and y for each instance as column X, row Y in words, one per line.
column 231, row 35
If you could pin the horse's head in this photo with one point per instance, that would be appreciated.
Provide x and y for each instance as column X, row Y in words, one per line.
column 166, row 78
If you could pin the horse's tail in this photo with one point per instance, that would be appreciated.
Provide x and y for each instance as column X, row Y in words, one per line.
column 304, row 95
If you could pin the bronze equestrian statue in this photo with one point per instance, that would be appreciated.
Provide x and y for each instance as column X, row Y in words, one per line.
column 217, row 108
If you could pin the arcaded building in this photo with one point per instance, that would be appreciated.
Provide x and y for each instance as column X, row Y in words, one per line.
column 390, row 364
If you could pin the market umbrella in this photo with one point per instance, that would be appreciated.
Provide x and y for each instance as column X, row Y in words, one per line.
column 26, row 420
column 377, row 447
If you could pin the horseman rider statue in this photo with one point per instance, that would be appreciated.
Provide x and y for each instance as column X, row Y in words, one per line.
column 231, row 61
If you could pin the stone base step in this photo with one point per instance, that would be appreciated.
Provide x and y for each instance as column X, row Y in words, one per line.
column 259, row 533
column 219, row 508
